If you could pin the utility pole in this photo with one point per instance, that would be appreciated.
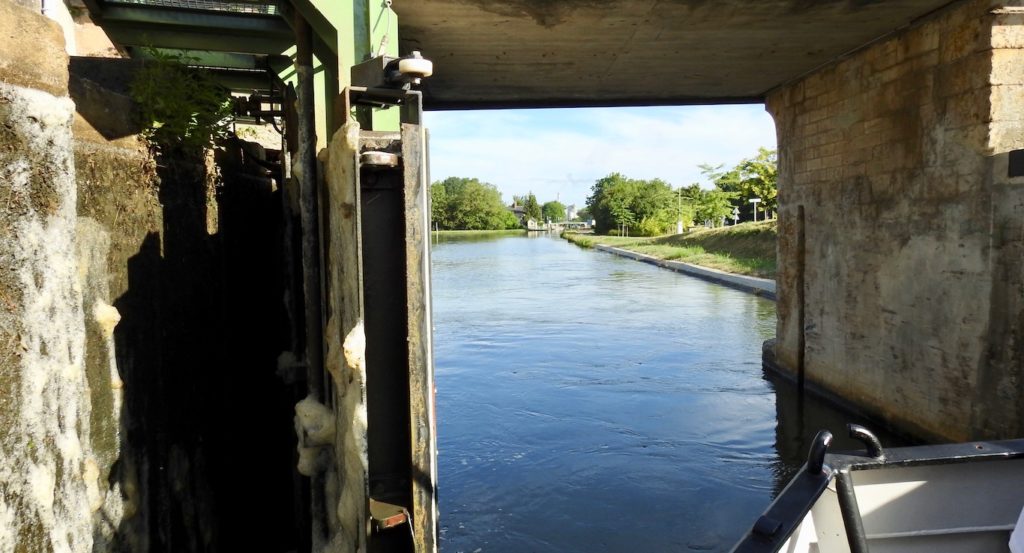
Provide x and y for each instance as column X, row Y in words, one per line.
column 679, row 210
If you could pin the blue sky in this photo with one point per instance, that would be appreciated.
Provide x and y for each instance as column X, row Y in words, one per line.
column 561, row 152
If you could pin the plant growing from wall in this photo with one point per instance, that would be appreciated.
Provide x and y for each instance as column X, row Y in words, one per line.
column 181, row 108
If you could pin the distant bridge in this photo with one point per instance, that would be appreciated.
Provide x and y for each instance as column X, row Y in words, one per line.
column 531, row 225
column 572, row 224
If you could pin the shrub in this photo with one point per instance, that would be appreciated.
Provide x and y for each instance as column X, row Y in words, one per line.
column 649, row 226
column 181, row 108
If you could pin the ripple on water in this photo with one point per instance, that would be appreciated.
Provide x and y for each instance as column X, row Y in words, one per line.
column 591, row 403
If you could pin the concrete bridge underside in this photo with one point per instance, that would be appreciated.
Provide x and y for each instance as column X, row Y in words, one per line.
column 901, row 180
column 531, row 53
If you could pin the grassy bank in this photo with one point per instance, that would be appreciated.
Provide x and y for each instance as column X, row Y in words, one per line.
column 746, row 249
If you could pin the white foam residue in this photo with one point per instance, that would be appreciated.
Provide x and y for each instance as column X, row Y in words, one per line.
column 15, row 176
column 91, row 476
column 316, row 420
column 52, row 397
column 314, row 425
column 359, row 428
column 107, row 316
column 42, row 484
column 69, row 445
column 7, row 519
column 354, row 348
column 309, row 461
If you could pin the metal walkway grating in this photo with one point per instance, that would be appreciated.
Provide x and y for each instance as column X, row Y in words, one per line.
column 205, row 5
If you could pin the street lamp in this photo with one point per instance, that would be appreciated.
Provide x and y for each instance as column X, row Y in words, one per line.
column 755, row 201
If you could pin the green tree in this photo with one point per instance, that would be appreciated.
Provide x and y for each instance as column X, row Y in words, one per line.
column 532, row 208
column 467, row 204
column 715, row 205
column 511, row 222
column 619, row 203
column 706, row 205
column 760, row 177
column 606, row 202
column 755, row 177
column 553, row 211
column 439, row 205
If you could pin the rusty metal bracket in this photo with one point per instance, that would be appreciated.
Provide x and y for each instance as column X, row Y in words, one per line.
column 387, row 515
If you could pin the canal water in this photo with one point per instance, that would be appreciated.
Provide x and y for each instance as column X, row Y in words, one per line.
column 592, row 403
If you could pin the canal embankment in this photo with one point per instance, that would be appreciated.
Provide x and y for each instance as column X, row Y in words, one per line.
column 741, row 256
column 754, row 285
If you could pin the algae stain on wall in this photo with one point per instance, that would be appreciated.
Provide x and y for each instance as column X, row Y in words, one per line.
column 104, row 385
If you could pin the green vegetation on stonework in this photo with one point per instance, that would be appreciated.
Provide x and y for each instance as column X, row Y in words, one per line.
column 180, row 107
column 744, row 249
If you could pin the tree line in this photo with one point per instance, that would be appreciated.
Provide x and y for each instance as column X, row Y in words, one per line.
column 620, row 205
column 468, row 204
column 459, row 203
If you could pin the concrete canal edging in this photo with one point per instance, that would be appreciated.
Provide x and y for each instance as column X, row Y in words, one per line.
column 759, row 286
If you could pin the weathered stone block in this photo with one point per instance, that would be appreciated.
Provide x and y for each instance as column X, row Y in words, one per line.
column 963, row 75
column 1008, row 32
column 33, row 50
column 1006, row 135
column 966, row 36
column 1007, row 66
column 1007, row 102
column 903, row 297
column 925, row 40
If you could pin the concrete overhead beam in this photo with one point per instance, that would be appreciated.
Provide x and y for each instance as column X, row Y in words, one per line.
column 543, row 53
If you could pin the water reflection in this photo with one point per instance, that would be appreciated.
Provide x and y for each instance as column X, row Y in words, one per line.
column 765, row 312
column 469, row 236
column 801, row 416
column 588, row 402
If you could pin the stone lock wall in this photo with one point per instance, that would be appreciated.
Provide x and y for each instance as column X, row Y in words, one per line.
column 900, row 250
column 55, row 494
column 140, row 315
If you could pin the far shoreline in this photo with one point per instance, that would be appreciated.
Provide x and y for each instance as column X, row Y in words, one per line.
column 472, row 232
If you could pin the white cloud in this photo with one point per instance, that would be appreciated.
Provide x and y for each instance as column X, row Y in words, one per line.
column 561, row 152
